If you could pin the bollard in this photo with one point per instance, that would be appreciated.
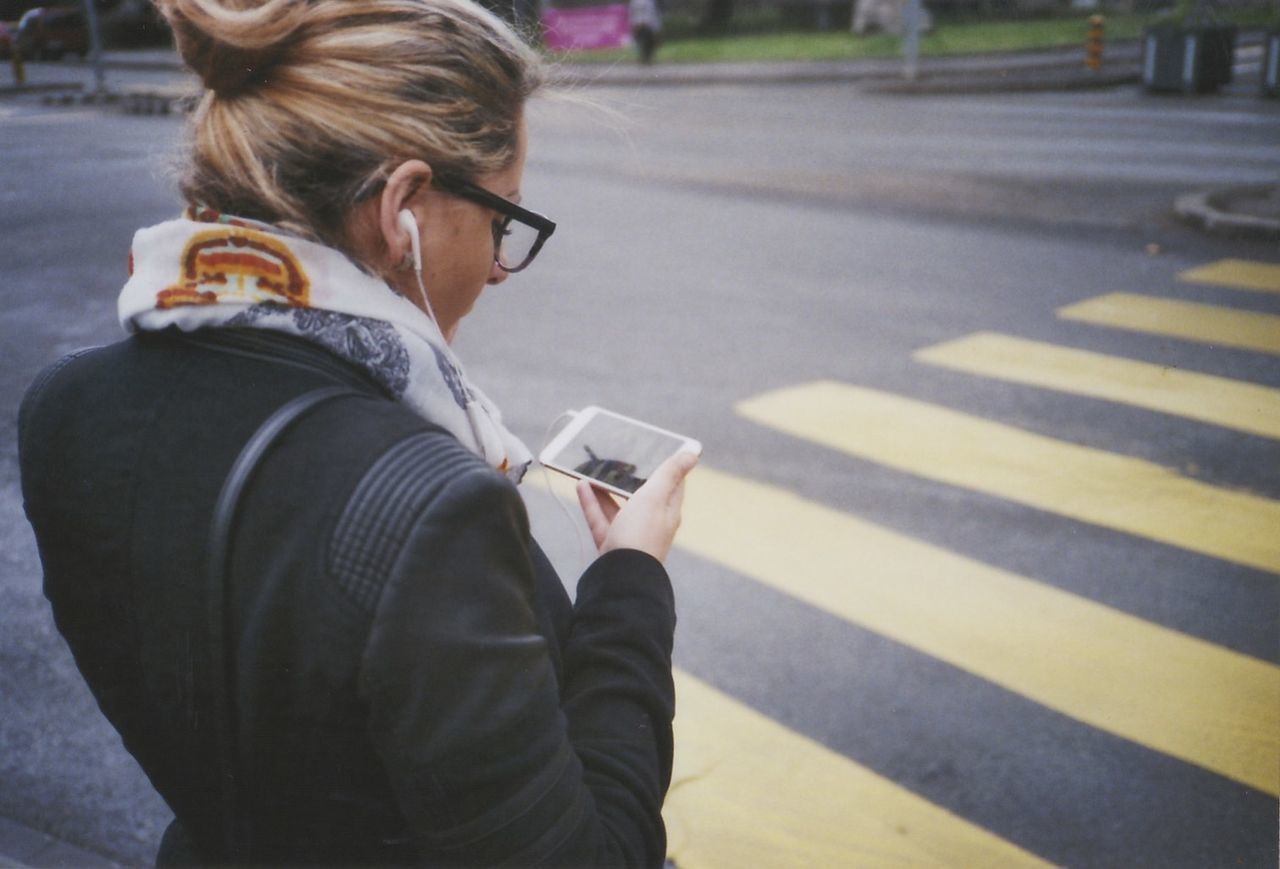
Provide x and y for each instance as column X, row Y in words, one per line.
column 1093, row 43
column 19, row 71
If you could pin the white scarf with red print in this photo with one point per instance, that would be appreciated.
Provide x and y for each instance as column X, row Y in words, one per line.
column 211, row 270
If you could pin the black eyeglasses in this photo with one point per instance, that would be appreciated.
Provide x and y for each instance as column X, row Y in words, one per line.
column 518, row 236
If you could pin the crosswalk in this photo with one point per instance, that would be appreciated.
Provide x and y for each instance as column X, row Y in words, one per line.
column 730, row 806
column 1221, row 401
column 1183, row 696
column 1237, row 273
column 733, row 803
column 1193, row 321
column 1127, row 494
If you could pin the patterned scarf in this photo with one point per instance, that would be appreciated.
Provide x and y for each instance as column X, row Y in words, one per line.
column 211, row 270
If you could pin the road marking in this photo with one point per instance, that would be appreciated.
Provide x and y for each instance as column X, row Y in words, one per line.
column 1083, row 483
column 1177, row 694
column 1246, row 407
column 747, row 791
column 1242, row 274
column 1208, row 324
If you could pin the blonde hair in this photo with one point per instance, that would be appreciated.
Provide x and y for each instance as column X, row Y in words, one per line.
column 311, row 103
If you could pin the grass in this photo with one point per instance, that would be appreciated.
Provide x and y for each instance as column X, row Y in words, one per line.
column 758, row 39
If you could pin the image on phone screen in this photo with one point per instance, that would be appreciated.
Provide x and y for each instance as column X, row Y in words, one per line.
column 613, row 450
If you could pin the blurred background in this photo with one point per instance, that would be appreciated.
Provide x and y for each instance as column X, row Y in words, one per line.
column 701, row 30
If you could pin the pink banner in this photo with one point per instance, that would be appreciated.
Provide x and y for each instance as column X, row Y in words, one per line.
column 586, row 27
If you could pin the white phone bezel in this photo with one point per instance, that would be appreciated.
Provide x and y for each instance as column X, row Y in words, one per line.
column 580, row 420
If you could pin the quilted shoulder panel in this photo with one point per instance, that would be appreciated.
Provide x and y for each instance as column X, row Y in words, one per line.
column 387, row 501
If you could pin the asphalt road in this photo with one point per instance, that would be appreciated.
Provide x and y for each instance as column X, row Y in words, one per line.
column 927, row 613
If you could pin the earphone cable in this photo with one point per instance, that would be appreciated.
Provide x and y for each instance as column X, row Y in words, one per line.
column 584, row 541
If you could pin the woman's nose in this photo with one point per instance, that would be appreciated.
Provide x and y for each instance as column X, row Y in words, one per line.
column 497, row 274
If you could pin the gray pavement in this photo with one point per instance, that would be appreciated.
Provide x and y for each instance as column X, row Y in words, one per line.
column 21, row 846
column 156, row 76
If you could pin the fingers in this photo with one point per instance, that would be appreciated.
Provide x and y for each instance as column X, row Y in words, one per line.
column 608, row 506
column 598, row 509
column 648, row 521
column 669, row 476
column 597, row 524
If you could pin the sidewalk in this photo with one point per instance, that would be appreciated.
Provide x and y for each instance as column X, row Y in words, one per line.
column 1048, row 69
column 1044, row 69
column 1055, row 69
column 1061, row 68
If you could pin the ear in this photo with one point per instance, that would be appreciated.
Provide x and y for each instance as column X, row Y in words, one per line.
column 401, row 191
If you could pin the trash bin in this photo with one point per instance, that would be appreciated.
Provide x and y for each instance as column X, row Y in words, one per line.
column 1187, row 58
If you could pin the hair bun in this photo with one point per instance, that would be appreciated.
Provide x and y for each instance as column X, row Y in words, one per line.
column 227, row 70
column 232, row 44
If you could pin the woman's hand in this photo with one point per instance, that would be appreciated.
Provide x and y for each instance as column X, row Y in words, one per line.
column 648, row 521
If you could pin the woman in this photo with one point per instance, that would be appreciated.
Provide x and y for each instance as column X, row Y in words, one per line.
column 278, row 524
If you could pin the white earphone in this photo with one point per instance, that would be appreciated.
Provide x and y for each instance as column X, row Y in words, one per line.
column 409, row 224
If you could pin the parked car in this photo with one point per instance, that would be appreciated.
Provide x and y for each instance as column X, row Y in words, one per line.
column 49, row 32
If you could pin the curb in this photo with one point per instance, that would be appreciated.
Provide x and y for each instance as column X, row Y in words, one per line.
column 80, row 98
column 158, row 103
column 145, row 101
column 1059, row 67
column 1068, row 79
column 155, row 102
column 44, row 88
column 1049, row 76
column 1044, row 78
column 1207, row 210
column 1047, row 69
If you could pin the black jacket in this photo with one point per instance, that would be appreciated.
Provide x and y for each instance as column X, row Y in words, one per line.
column 410, row 681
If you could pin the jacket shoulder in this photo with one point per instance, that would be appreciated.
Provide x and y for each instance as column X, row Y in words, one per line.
column 424, row 474
column 43, row 390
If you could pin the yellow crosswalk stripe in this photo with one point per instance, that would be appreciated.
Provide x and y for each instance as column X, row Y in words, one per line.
column 1208, row 324
column 747, row 791
column 1246, row 407
column 1239, row 273
column 1091, row 485
column 1177, row 694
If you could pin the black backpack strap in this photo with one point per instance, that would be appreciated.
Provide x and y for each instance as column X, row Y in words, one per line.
column 236, row 830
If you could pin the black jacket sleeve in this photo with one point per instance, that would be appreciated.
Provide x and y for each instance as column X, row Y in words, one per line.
column 492, row 759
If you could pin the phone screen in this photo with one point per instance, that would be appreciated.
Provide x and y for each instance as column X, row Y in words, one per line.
column 614, row 451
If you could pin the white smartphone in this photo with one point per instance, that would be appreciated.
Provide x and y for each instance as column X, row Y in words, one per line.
column 615, row 452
